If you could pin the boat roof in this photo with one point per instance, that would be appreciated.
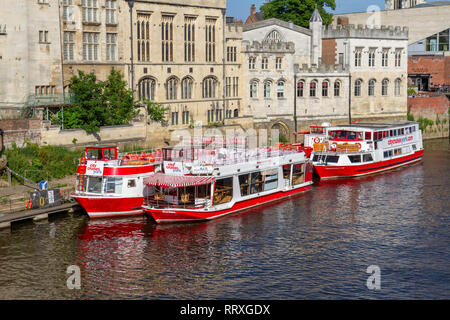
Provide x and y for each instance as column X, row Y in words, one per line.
column 105, row 146
column 376, row 125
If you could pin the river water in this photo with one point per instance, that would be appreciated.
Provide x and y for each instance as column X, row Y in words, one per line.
column 317, row 245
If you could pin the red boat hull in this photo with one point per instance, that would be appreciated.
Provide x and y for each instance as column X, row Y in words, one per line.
column 168, row 215
column 106, row 207
column 334, row 172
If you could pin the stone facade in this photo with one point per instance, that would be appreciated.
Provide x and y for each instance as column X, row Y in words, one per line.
column 402, row 4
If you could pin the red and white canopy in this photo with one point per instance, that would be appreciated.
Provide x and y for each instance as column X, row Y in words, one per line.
column 169, row 181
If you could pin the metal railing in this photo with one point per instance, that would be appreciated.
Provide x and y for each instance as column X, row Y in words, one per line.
column 51, row 99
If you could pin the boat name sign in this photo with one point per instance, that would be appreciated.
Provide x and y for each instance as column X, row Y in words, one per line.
column 94, row 168
column 175, row 168
column 399, row 140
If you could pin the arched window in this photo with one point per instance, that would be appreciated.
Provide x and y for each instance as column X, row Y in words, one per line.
column 358, row 88
column 273, row 37
column 186, row 88
column 209, row 87
column 325, row 89
column 253, row 89
column 171, row 88
column 267, row 89
column 371, row 87
column 236, row 113
column 312, row 89
column 384, row 87
column 337, row 88
column 300, row 88
column 280, row 89
column 398, row 83
column 146, row 88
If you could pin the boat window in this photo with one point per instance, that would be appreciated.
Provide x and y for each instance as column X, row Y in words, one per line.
column 387, row 154
column 342, row 135
column 256, row 182
column 368, row 135
column 332, row 159
column 95, row 154
column 351, row 135
column 109, row 154
column 94, row 184
column 360, row 135
column 414, row 147
column 403, row 130
column 298, row 174
column 244, row 184
column 333, row 134
column 113, row 185
column 367, row 157
column 131, row 183
column 223, row 192
column 397, row 152
column 270, row 180
column 287, row 169
column 315, row 159
column 355, row 158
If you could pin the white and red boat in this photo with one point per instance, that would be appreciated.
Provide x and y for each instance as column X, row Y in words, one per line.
column 365, row 148
column 111, row 185
column 199, row 184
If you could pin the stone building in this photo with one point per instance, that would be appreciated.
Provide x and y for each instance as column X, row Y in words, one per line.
column 30, row 54
column 402, row 4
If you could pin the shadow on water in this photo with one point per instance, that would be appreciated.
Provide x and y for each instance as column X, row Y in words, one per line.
column 317, row 245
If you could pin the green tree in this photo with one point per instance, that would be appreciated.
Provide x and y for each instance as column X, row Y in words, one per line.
column 98, row 103
column 156, row 111
column 298, row 11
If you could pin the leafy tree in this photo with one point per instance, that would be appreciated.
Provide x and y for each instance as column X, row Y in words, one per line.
column 156, row 111
column 98, row 103
column 298, row 11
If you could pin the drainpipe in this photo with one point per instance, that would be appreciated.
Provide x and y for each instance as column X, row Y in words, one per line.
column 223, row 65
column 295, row 107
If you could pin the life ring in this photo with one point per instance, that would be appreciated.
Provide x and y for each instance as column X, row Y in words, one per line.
column 359, row 145
column 333, row 146
column 42, row 201
column 28, row 204
column 316, row 140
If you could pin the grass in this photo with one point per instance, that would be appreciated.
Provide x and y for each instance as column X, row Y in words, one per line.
column 42, row 162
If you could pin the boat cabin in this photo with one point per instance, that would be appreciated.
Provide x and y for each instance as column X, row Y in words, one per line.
column 101, row 153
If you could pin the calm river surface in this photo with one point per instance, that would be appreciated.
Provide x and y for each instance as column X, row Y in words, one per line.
column 315, row 246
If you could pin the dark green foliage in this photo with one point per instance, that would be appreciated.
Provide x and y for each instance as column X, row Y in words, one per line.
column 42, row 163
column 298, row 11
column 156, row 111
column 98, row 103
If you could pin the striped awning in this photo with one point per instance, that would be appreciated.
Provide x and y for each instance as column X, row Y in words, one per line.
column 170, row 181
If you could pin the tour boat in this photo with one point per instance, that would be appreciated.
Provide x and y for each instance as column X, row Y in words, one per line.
column 111, row 185
column 366, row 148
column 201, row 184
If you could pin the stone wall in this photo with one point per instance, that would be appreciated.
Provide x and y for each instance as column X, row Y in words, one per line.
column 20, row 131
column 438, row 67
column 434, row 109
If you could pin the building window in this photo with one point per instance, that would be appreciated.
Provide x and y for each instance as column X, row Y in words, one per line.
column 235, row 86
column 337, row 88
column 251, row 63
column 280, row 89
column 209, row 87
column 146, row 89
column 186, row 88
column 371, row 87
column 43, row 37
column 278, row 63
column 189, row 39
column 210, row 36
column 398, row 58
column 312, row 89
column 185, row 117
column 264, row 63
column 229, row 90
column 300, row 88
column 227, row 86
column 398, row 83
column 267, row 89
column 358, row 54
column 325, row 89
column 90, row 46
column 111, row 46
column 372, row 58
column 110, row 11
column 384, row 87
column 236, row 113
column 67, row 10
column 143, row 37
column 231, row 54
column 90, row 10
column 167, row 38
column 69, row 45
column 171, row 88
column 384, row 58
column 254, row 89
column 175, row 118
column 358, row 88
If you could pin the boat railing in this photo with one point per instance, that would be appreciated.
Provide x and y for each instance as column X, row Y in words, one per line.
column 154, row 202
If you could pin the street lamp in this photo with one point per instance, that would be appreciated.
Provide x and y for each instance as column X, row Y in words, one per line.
column 131, row 4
